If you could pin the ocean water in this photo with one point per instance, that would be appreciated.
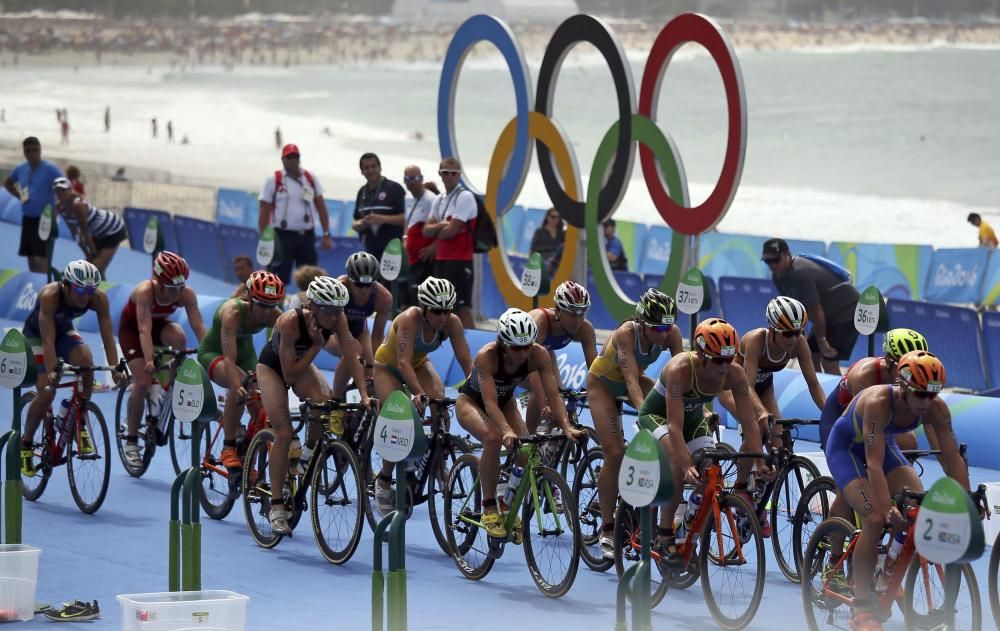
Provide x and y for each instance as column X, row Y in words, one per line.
column 884, row 145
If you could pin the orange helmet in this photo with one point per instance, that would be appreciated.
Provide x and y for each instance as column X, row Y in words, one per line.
column 265, row 287
column 921, row 370
column 170, row 269
column 716, row 338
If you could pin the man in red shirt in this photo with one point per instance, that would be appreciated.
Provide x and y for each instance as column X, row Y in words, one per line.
column 420, row 250
column 452, row 224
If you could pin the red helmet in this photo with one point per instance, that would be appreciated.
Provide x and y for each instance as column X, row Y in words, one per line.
column 170, row 269
column 572, row 297
column 716, row 338
column 265, row 287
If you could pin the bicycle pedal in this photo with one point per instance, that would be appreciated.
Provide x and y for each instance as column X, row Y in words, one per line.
column 495, row 547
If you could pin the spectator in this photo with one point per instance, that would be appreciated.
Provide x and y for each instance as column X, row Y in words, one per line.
column 303, row 276
column 987, row 238
column 98, row 232
column 549, row 238
column 420, row 250
column 73, row 174
column 31, row 182
column 242, row 268
column 152, row 123
column 830, row 302
column 288, row 201
column 119, row 175
column 107, row 118
column 613, row 248
column 380, row 208
column 452, row 224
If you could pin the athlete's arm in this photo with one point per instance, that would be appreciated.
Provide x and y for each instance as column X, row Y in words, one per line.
column 293, row 367
column 588, row 341
column 383, row 311
column 542, row 367
column 875, row 416
column 809, row 372
column 343, row 333
column 143, row 298
column 48, row 302
column 406, row 335
column 230, row 319
column 677, row 375
column 484, row 367
column 99, row 303
column 938, row 421
column 629, row 366
column 751, row 368
column 190, row 301
column 456, row 333
column 737, row 383
column 675, row 341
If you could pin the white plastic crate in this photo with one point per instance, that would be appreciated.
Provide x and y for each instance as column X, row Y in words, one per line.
column 18, row 578
column 209, row 610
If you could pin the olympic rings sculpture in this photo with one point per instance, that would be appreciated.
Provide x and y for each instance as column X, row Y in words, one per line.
column 662, row 167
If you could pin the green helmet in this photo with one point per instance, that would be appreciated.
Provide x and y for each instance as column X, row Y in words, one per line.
column 656, row 308
column 899, row 342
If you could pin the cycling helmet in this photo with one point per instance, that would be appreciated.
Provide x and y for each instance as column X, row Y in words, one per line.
column 516, row 328
column 899, row 342
column 786, row 314
column 82, row 274
column 362, row 267
column 921, row 370
column 327, row 291
column 572, row 297
column 265, row 287
column 170, row 269
column 62, row 184
column 656, row 308
column 716, row 338
column 436, row 293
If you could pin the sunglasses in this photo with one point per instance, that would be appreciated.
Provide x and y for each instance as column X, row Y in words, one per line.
column 787, row 333
column 412, row 178
column 84, row 291
column 721, row 361
column 362, row 285
column 292, row 156
column 329, row 309
column 519, row 348
column 660, row 328
column 771, row 261
column 580, row 311
column 264, row 305
column 443, row 173
column 926, row 396
column 440, row 311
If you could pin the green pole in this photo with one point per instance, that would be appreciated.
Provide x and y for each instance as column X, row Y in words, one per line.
column 621, row 623
column 174, row 535
column 952, row 585
column 378, row 585
column 14, row 487
column 397, row 600
column 190, row 533
column 641, row 618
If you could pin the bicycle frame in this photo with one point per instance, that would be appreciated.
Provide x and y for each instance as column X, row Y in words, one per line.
column 435, row 450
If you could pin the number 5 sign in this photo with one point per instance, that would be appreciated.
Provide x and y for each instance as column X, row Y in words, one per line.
column 193, row 397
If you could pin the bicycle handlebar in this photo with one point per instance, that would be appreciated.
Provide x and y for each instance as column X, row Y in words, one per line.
column 328, row 406
column 64, row 367
column 718, row 455
column 796, row 422
column 170, row 351
column 900, row 499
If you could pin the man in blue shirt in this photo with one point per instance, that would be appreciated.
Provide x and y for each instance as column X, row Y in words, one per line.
column 31, row 182
column 613, row 248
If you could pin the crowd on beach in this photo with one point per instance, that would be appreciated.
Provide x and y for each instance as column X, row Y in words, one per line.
column 335, row 40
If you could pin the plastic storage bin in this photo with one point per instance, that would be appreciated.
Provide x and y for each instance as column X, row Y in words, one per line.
column 209, row 610
column 18, row 577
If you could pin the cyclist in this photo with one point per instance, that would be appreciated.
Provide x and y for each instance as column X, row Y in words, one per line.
column 486, row 408
column 227, row 351
column 557, row 328
column 872, row 371
column 767, row 350
column 868, row 467
column 618, row 372
column 367, row 297
column 401, row 360
column 145, row 323
column 50, row 334
column 286, row 361
column 674, row 412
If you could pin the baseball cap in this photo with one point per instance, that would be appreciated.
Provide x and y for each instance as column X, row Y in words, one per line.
column 774, row 247
column 287, row 149
column 61, row 184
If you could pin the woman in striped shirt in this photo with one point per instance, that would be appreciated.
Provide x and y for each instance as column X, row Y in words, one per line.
column 97, row 231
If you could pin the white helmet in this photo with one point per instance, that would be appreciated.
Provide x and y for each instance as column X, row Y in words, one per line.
column 516, row 328
column 786, row 314
column 362, row 267
column 327, row 291
column 436, row 293
column 82, row 274
column 571, row 296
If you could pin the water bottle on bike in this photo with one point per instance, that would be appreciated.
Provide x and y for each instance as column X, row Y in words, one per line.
column 65, row 426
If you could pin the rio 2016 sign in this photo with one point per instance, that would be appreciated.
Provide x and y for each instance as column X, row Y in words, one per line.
column 662, row 167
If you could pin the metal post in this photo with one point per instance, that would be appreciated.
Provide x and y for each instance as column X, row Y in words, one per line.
column 397, row 555
column 621, row 619
column 641, row 618
column 174, row 535
column 871, row 345
column 12, row 492
column 952, row 584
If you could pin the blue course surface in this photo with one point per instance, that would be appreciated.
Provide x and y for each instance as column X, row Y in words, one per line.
column 123, row 549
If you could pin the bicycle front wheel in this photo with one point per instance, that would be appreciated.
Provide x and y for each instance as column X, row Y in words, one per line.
column 145, row 433
column 437, row 479
column 784, row 503
column 180, row 442
column 994, row 570
column 257, row 488
column 827, row 576
column 923, row 599
column 813, row 509
column 551, row 533
column 628, row 551
column 88, row 461
column 585, row 497
column 463, row 511
column 336, row 497
column 731, row 562
column 32, row 487
column 217, row 497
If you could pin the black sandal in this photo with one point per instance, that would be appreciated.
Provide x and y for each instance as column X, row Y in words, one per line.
column 666, row 547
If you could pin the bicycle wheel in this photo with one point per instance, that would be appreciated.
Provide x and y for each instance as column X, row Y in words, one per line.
column 729, row 467
column 813, row 509
column 257, row 489
column 463, row 509
column 826, row 577
column 551, row 534
column 145, row 432
column 923, row 598
column 180, row 443
column 784, row 503
column 731, row 563
column 628, row 551
column 454, row 447
column 336, row 497
column 33, row 487
column 994, row 569
column 585, row 497
column 574, row 453
column 89, row 470
column 216, row 496
column 370, row 463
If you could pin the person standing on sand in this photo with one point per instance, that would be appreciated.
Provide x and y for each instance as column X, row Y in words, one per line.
column 153, row 122
column 107, row 119
column 170, row 131
column 277, row 138
column 31, row 182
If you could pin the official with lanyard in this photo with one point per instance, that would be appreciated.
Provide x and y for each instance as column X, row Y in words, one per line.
column 287, row 202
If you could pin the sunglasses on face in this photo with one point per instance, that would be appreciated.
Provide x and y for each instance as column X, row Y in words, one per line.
column 412, row 178
column 580, row 311
column 924, row 396
column 330, row 310
column 264, row 305
column 660, row 328
column 443, row 172
column 83, row 291
column 519, row 348
column 788, row 334
column 721, row 361
column 438, row 312
column 771, row 261
column 363, row 285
